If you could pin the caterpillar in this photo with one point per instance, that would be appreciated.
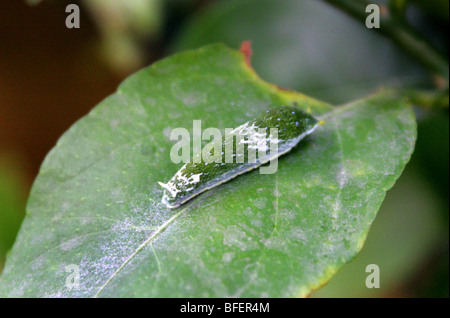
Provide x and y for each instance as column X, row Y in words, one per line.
column 291, row 125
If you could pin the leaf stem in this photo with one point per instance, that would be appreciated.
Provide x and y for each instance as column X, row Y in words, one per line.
column 428, row 99
column 403, row 35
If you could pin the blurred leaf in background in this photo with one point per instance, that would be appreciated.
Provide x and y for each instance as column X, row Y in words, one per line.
column 126, row 28
column 12, row 201
column 432, row 152
column 436, row 8
column 305, row 45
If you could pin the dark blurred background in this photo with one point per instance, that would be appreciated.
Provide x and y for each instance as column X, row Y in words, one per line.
column 51, row 76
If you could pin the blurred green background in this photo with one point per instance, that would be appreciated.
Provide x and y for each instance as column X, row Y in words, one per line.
column 50, row 76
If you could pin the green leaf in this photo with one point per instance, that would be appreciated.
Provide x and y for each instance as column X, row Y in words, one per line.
column 96, row 202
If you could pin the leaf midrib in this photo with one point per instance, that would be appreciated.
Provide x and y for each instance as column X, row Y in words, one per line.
column 139, row 248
